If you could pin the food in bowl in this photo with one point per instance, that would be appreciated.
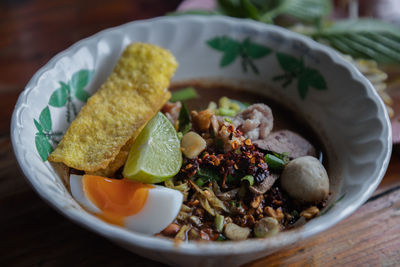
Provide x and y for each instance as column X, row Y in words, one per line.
column 222, row 172
column 247, row 172
column 98, row 140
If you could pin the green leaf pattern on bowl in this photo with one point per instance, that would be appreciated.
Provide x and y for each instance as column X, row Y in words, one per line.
column 249, row 51
column 64, row 96
column 295, row 68
column 246, row 50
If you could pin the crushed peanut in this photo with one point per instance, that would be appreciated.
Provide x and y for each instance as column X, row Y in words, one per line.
column 202, row 120
column 235, row 145
column 256, row 201
column 192, row 144
column 310, row 213
column 276, row 214
column 247, row 142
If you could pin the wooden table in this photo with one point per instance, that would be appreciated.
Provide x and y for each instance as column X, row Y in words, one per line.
column 32, row 233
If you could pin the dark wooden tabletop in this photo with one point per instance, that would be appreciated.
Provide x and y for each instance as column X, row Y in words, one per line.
column 32, row 233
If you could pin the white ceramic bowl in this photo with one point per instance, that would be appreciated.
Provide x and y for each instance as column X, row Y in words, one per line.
column 337, row 101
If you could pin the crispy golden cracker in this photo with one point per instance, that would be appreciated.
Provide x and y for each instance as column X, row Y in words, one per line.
column 131, row 96
column 117, row 162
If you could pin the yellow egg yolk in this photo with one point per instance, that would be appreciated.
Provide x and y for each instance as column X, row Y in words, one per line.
column 115, row 198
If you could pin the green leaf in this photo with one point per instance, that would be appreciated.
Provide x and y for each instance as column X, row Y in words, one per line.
column 309, row 11
column 231, row 8
column 45, row 119
column 305, row 10
column 289, row 63
column 82, row 95
column 43, row 146
column 80, row 79
column 364, row 38
column 314, row 78
column 390, row 54
column 60, row 96
column 302, row 86
column 250, row 10
column 342, row 46
column 208, row 174
column 184, row 119
column 365, row 25
column 38, row 126
column 254, row 50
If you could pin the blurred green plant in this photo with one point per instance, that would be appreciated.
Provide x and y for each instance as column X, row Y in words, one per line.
column 360, row 38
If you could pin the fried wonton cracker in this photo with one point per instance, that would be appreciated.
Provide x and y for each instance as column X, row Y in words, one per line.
column 114, row 116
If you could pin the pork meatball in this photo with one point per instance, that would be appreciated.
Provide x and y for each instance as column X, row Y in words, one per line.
column 255, row 122
column 305, row 179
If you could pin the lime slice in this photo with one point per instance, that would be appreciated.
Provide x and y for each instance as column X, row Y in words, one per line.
column 155, row 155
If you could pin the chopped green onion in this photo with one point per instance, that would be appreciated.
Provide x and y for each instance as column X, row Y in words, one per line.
column 274, row 163
column 242, row 105
column 224, row 102
column 227, row 103
column 219, row 222
column 228, row 120
column 248, row 178
column 285, row 156
column 226, row 112
column 184, row 94
column 212, row 105
column 200, row 182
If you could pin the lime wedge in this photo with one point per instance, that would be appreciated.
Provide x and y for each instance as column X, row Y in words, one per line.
column 155, row 155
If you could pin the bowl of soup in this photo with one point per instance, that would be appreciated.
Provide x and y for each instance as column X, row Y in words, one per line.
column 268, row 109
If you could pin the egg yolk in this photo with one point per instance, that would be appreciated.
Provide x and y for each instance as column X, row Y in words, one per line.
column 115, row 198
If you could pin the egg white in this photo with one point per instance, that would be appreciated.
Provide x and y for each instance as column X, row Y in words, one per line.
column 76, row 185
column 161, row 207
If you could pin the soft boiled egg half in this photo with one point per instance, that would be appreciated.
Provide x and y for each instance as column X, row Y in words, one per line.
column 143, row 208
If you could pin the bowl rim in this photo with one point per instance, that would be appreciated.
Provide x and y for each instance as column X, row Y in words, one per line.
column 211, row 248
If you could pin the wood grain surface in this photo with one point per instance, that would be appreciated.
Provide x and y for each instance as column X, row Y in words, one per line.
column 34, row 234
